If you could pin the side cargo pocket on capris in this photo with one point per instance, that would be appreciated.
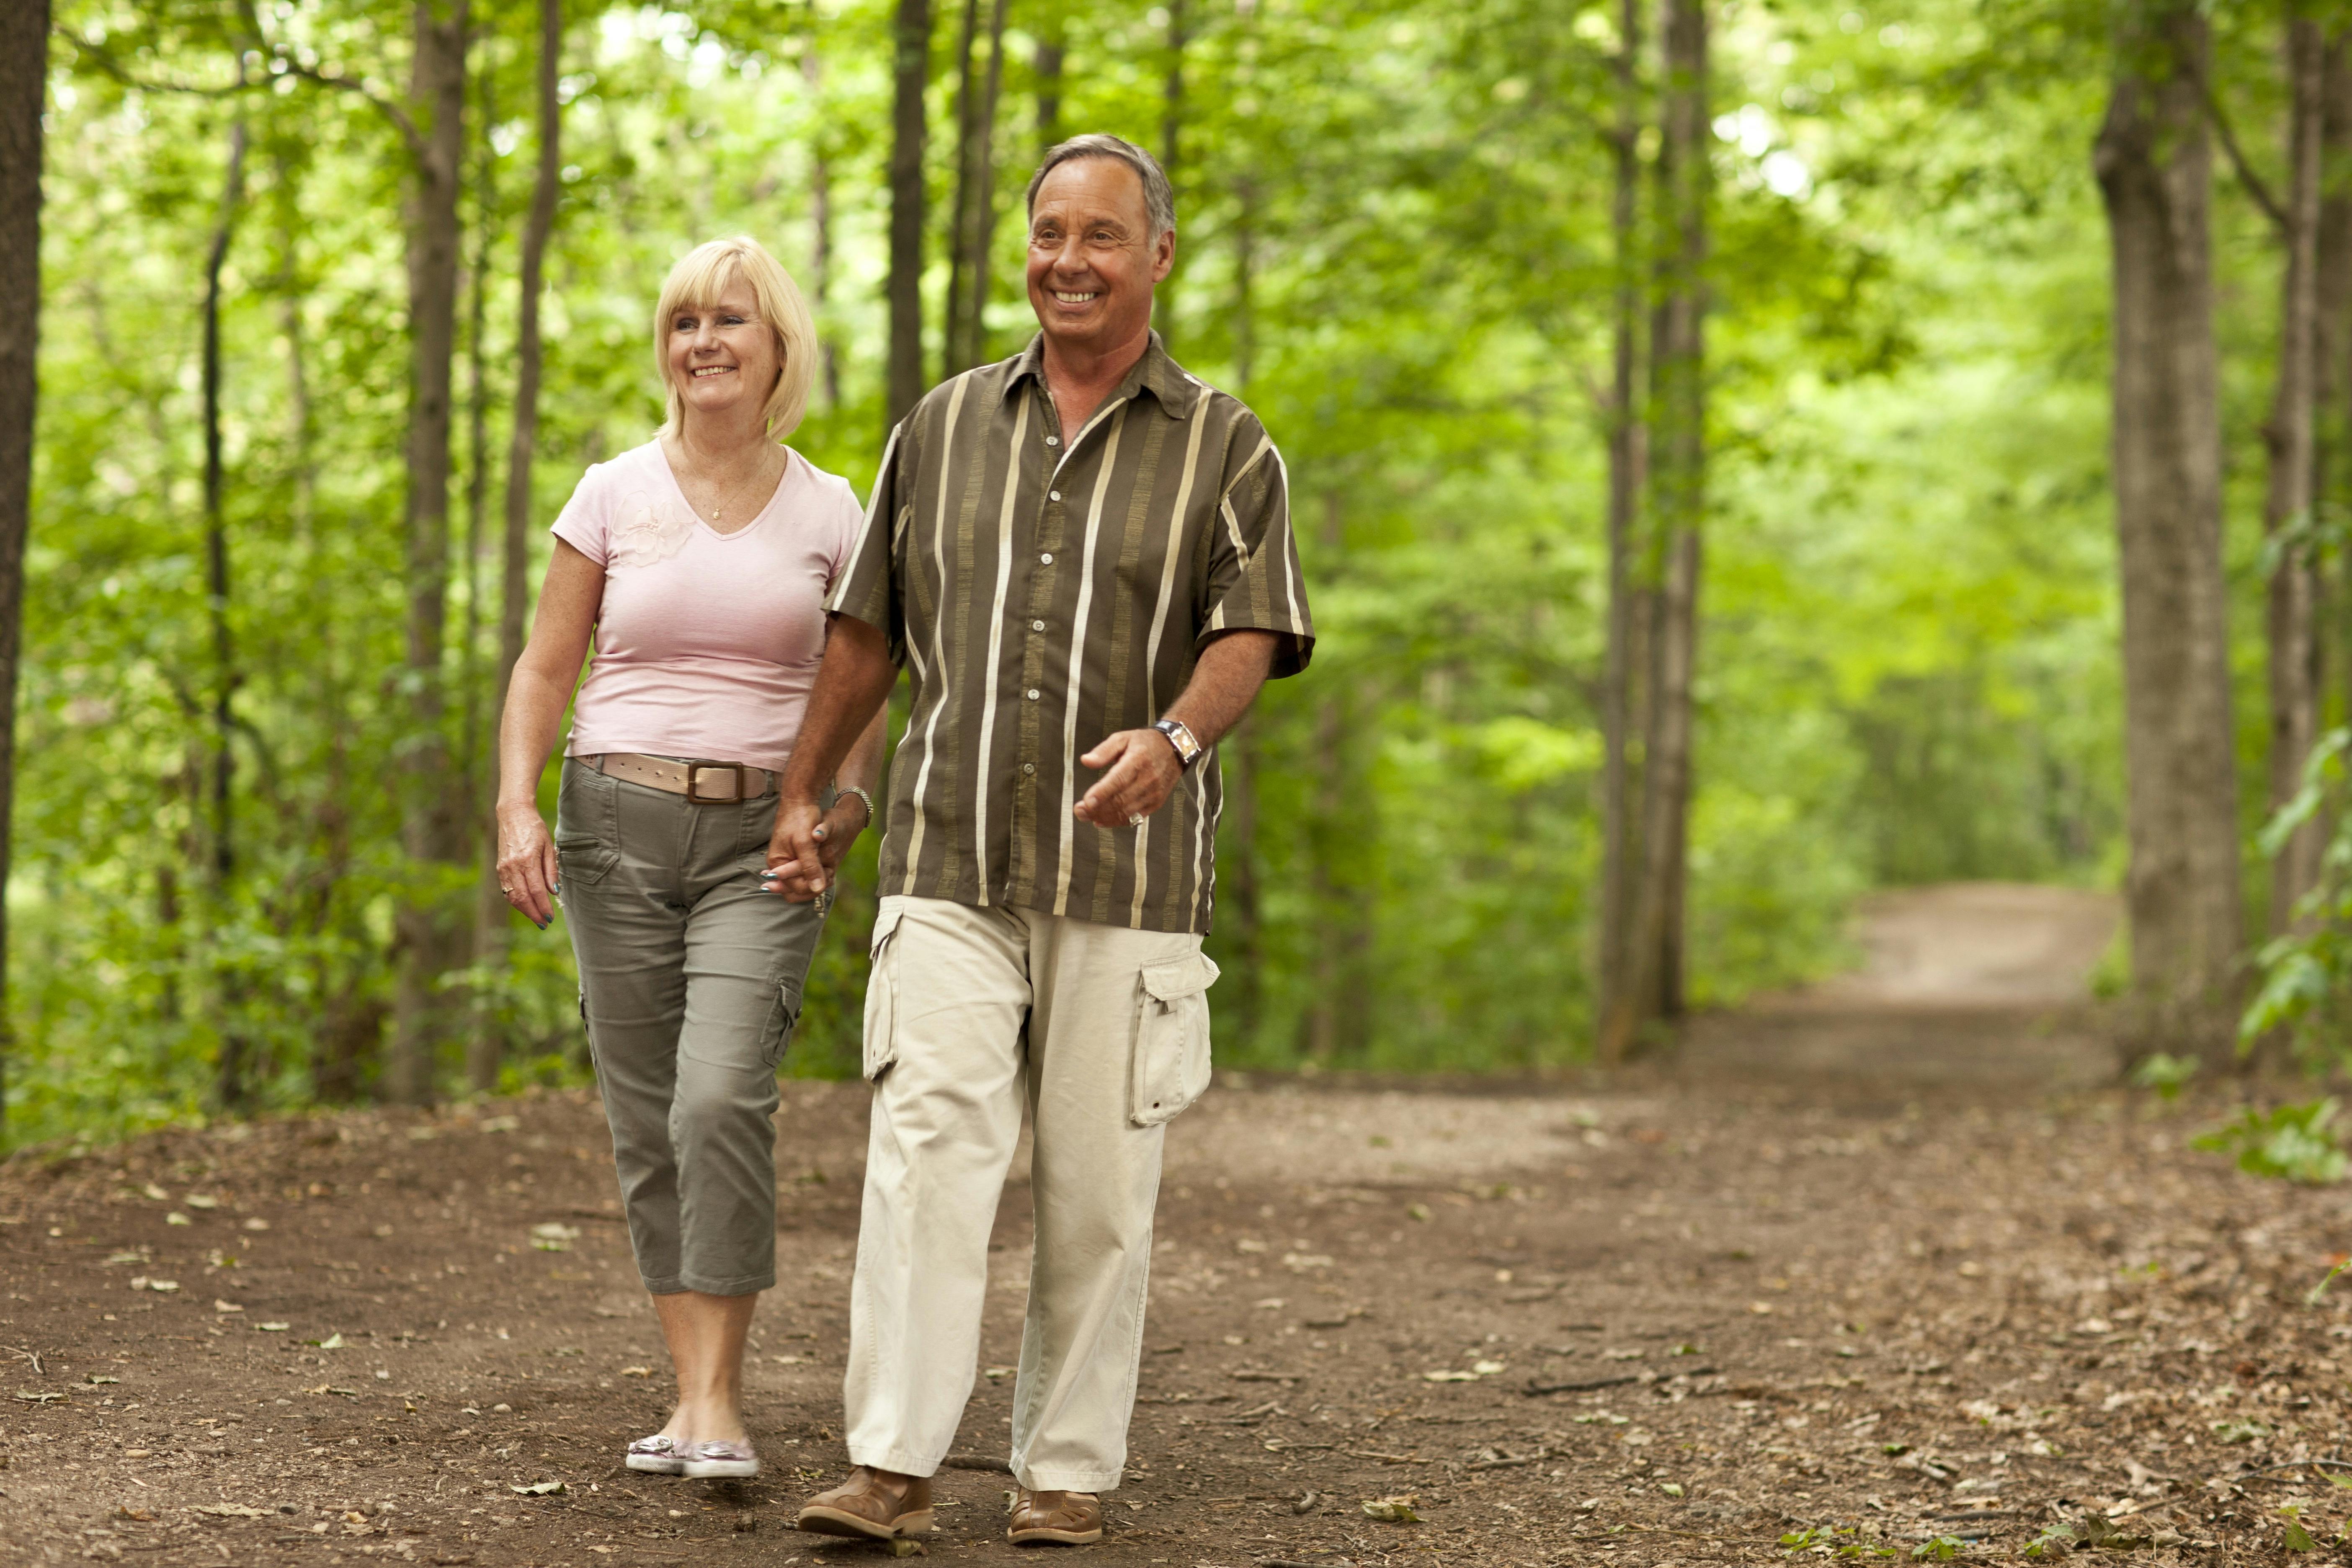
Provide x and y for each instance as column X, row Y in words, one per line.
column 1170, row 1066
column 882, row 994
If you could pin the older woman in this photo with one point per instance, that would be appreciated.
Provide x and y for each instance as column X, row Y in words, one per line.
column 700, row 562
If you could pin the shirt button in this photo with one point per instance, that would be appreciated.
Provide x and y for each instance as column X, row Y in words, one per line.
column 1052, row 494
column 1028, row 767
column 1036, row 625
column 1047, row 559
column 1033, row 694
column 1053, row 440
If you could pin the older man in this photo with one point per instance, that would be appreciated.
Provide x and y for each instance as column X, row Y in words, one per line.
column 1084, row 556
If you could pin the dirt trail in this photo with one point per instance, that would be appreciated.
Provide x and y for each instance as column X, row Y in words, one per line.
column 1670, row 1319
column 1981, row 983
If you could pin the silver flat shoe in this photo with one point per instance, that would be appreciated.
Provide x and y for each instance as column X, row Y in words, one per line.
column 658, row 1457
column 718, row 1461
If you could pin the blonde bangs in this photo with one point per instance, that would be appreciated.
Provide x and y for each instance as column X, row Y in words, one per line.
column 706, row 273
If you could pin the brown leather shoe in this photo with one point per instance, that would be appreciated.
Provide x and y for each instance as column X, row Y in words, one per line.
column 870, row 1508
column 1060, row 1519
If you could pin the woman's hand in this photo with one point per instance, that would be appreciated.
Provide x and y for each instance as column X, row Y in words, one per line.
column 803, row 856
column 526, row 870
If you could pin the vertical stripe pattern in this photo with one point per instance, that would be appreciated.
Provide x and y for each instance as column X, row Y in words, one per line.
column 1046, row 596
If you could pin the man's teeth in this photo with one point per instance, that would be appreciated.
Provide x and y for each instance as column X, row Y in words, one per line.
column 1073, row 299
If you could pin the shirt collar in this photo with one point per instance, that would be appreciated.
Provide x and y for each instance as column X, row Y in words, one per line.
column 1156, row 373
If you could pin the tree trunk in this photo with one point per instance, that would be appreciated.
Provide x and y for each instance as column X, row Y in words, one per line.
column 2332, row 342
column 1625, row 659
column 1171, row 130
column 495, row 919
column 1172, row 92
column 2154, row 168
column 23, row 78
column 430, row 935
column 230, row 1069
column 1051, row 56
column 1677, row 475
column 973, row 226
column 821, row 231
column 2293, row 586
column 906, row 137
column 478, row 456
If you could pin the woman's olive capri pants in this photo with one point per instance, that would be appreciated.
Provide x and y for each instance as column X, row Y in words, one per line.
column 689, row 984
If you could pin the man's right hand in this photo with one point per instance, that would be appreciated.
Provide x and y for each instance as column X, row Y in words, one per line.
column 796, row 868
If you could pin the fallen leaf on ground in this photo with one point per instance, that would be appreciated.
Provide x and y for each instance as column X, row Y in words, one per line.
column 201, row 1200
column 176, row 1217
column 1443, row 1376
column 221, row 1306
column 636, row 1372
column 154, row 1192
column 273, row 1328
column 500, row 1123
column 1392, row 1510
column 257, row 1222
column 230, row 1510
column 538, row 1488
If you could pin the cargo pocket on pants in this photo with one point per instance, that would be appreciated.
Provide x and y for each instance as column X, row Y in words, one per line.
column 783, row 1014
column 1170, row 1068
column 882, row 997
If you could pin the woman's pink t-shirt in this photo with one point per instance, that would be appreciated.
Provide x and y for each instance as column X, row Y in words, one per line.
column 708, row 643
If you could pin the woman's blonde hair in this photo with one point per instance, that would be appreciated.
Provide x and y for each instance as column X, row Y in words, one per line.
column 700, row 277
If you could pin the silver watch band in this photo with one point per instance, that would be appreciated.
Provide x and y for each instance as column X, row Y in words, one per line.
column 840, row 790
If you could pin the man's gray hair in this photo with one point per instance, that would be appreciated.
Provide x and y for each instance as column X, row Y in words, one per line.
column 1159, row 200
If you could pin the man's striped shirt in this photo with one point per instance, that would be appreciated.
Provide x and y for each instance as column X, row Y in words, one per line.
column 1045, row 598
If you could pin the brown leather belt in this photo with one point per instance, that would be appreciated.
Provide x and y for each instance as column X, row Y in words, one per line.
column 698, row 781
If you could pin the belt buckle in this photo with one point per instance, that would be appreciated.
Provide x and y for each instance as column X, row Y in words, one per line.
column 694, row 772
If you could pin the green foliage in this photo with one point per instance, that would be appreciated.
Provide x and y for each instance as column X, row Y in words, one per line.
column 1939, row 1548
column 2291, row 1143
column 2055, row 1541
column 2166, row 1074
column 1393, row 244
column 2306, row 976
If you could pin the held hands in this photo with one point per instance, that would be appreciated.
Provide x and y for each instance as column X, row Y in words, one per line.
column 527, row 869
column 1143, row 771
column 807, row 844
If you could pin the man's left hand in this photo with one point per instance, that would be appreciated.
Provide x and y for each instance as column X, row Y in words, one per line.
column 1143, row 768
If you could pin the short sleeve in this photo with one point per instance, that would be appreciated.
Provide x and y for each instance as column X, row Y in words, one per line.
column 585, row 521
column 846, row 517
column 1253, row 583
column 865, row 588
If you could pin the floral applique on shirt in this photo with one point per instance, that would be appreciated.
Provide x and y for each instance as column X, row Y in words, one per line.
column 649, row 531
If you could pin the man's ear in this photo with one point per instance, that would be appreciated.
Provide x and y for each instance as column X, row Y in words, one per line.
column 1164, row 261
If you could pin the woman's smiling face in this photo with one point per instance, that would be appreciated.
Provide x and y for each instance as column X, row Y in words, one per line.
column 723, row 358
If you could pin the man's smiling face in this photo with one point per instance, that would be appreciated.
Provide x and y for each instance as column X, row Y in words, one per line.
column 1092, row 259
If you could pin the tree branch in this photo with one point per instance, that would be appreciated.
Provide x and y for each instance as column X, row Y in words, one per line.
column 98, row 57
column 2220, row 120
column 389, row 109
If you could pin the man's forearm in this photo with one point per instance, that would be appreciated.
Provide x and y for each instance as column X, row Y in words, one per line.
column 852, row 684
column 1225, row 681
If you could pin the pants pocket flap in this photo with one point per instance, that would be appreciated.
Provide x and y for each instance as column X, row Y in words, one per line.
column 885, row 922
column 1180, row 977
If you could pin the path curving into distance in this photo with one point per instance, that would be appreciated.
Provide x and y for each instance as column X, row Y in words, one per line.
column 1985, row 982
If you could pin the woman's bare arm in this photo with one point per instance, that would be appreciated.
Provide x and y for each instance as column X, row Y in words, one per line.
column 570, row 597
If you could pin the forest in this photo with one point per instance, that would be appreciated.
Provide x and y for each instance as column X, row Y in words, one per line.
column 1747, row 454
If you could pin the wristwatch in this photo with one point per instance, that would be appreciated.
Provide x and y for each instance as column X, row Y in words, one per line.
column 1188, row 749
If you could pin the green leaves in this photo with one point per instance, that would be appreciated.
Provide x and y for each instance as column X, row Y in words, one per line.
column 2292, row 1142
